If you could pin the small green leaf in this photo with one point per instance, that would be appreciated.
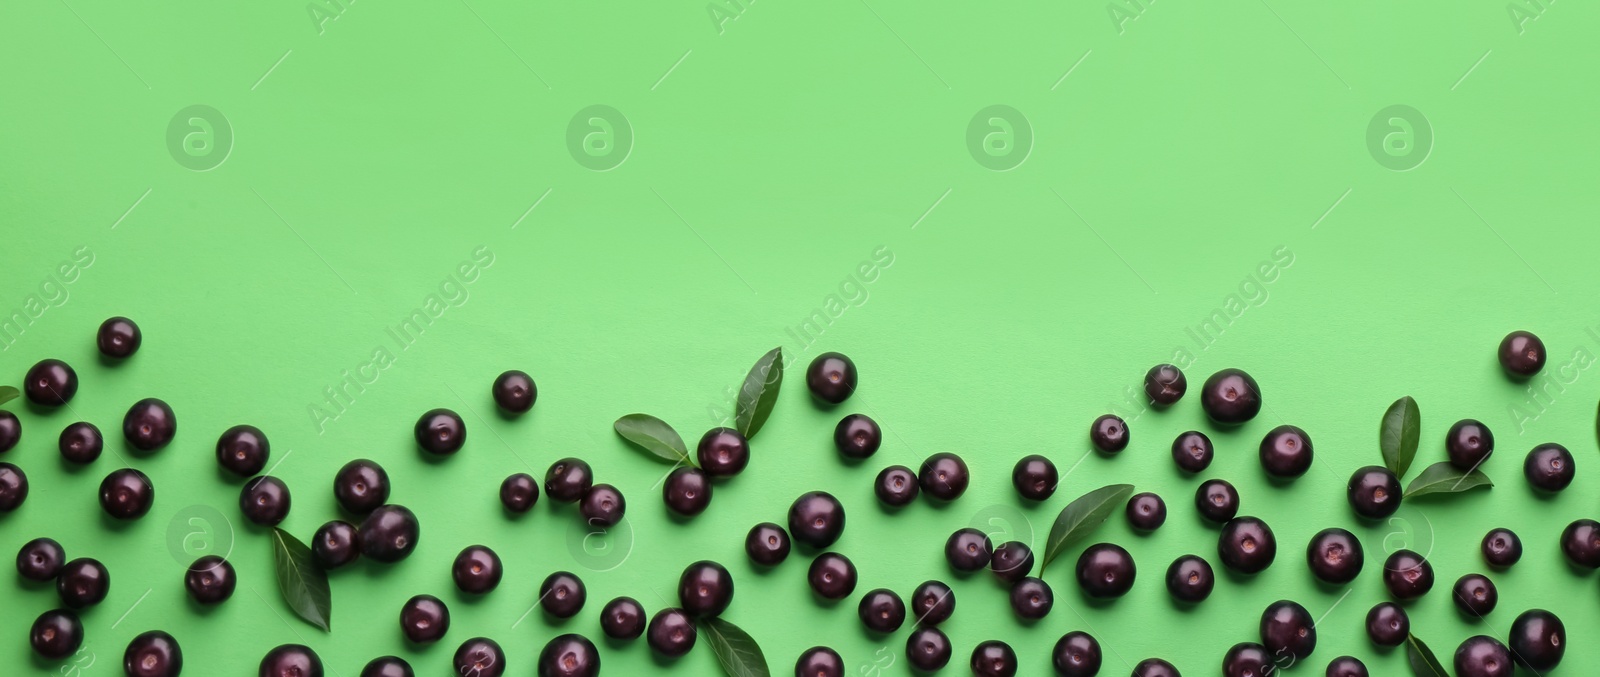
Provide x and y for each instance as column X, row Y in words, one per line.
column 8, row 393
column 736, row 652
column 655, row 436
column 759, row 393
column 1397, row 437
column 1081, row 517
column 1443, row 478
column 1423, row 662
column 304, row 585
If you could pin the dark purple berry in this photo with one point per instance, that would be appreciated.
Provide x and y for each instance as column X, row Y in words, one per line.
column 1035, row 477
column 1374, row 492
column 1549, row 468
column 968, row 550
column 519, row 492
column 291, row 660
column 857, row 436
column 928, row 649
column 126, row 494
column 819, row 661
column 1246, row 545
column 424, row 619
column 1217, row 500
column 480, row 657
column 1483, row 656
column 723, row 452
column 767, row 544
column 1287, row 629
column 881, row 611
column 264, row 500
column 1190, row 579
column 56, row 634
column 1076, row 654
column 1388, row 624
column 440, row 432
column 1522, row 354
column 567, row 480
column 1011, row 561
column 1146, row 512
column 671, row 633
column 83, row 582
column 993, row 658
column 13, row 487
column 1407, row 575
column 943, row 476
column 153, row 654
column 389, row 534
column 569, row 655
column 149, row 424
column 1247, row 659
column 1192, row 451
column 1475, row 595
column 896, row 486
column 81, row 443
column 50, row 383
column 210, row 580
column 831, row 377
column 1538, row 640
column 705, row 589
column 1230, row 397
column 1286, row 452
column 118, row 338
column 1032, row 598
column 10, row 431
column 932, row 603
column 388, row 666
column 1501, row 548
column 477, row 570
column 515, row 392
column 832, row 576
column 1468, row 443
column 243, row 450
column 1335, row 556
column 562, row 594
column 1347, row 666
column 1165, row 384
column 361, row 486
column 40, row 559
column 602, row 506
column 816, row 519
column 1109, row 433
column 335, row 545
column 623, row 618
column 1105, row 571
column 1154, row 667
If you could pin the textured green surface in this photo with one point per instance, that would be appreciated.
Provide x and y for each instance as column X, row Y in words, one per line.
column 1172, row 159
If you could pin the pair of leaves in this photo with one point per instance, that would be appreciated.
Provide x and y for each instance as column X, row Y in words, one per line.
column 736, row 652
column 1443, row 478
column 1423, row 662
column 1398, row 436
column 303, row 584
column 1082, row 516
column 757, row 395
column 8, row 393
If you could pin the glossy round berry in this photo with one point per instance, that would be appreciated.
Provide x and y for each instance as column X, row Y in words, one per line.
column 13, row 487
column 389, row 534
column 335, row 545
column 480, row 657
column 1335, row 556
column 857, row 436
column 1287, row 629
column 265, row 500
column 1109, row 433
column 1475, row 595
column 1246, row 545
column 291, row 660
column 831, row 377
column 723, row 452
column 1032, row 598
column 1217, row 500
column 1286, row 452
column 881, row 611
column 149, row 424
column 993, row 658
column 943, row 476
column 1538, row 640
column 932, row 603
column 832, row 576
column 1190, row 579
column 210, row 580
column 1347, row 666
column 1580, row 542
column 1076, row 654
column 816, row 519
column 126, row 494
column 562, row 594
column 1146, row 512
column 602, row 506
column 567, row 480
column 1192, row 451
column 476, row 570
column 896, row 486
column 50, row 383
column 1230, row 397
column 40, row 559
column 687, row 491
column 705, row 589
column 440, row 432
column 968, row 550
column 767, row 544
column 671, row 633
column 569, row 655
column 1522, row 354
column 1407, row 575
column 1011, row 561
column 56, row 634
column 623, row 618
column 1549, row 468
column 1155, row 667
column 819, row 661
column 1035, row 477
column 388, row 666
column 1483, row 656
column 1501, row 548
column 514, row 391
column 1468, row 443
column 243, row 450
column 424, row 619
column 10, row 431
column 81, row 442
column 1374, row 492
column 1105, row 571
column 118, row 338
column 519, row 492
column 1165, row 384
column 1388, row 624
column 83, row 582
column 361, row 486
column 1247, row 659
column 153, row 654
column 928, row 649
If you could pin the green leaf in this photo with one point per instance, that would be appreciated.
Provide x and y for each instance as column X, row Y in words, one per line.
column 304, row 584
column 655, row 436
column 1081, row 517
column 1423, row 662
column 1443, row 478
column 1397, row 437
column 738, row 655
column 759, row 393
column 8, row 393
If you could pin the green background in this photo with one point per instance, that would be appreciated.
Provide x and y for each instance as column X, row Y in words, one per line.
column 1171, row 149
